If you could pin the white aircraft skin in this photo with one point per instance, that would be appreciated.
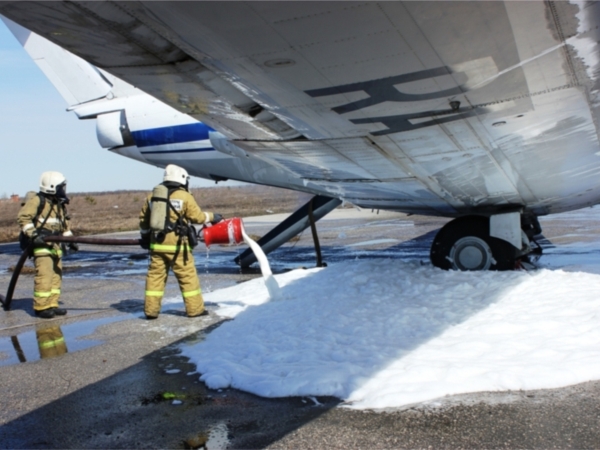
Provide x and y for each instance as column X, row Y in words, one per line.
column 134, row 124
column 484, row 111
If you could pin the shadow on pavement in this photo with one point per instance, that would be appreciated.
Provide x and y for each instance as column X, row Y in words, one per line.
column 149, row 406
column 159, row 402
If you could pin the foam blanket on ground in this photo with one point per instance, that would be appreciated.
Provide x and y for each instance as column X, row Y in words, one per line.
column 387, row 333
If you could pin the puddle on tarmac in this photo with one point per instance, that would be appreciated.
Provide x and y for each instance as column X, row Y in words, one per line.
column 51, row 340
column 107, row 265
column 215, row 439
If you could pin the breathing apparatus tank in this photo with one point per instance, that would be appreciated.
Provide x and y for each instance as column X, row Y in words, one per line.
column 158, row 208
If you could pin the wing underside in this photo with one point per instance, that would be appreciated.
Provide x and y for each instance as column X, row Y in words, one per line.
column 432, row 107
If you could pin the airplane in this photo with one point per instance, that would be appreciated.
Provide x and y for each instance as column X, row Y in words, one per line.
column 483, row 112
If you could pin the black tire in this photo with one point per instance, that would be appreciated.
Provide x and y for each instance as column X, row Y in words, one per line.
column 478, row 227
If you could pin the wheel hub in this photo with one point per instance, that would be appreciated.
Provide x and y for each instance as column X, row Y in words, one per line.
column 471, row 253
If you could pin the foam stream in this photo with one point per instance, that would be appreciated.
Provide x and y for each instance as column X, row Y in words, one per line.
column 265, row 268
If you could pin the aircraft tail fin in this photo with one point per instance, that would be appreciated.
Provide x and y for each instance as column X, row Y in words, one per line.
column 76, row 80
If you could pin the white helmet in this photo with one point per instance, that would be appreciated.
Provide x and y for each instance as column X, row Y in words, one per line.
column 176, row 174
column 50, row 180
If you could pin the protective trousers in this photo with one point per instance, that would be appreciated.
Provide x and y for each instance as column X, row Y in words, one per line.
column 51, row 342
column 185, row 272
column 47, row 281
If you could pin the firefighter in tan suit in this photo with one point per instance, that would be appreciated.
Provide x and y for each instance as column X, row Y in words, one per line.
column 42, row 215
column 170, row 247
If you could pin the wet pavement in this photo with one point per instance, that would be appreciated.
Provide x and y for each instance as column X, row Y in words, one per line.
column 102, row 377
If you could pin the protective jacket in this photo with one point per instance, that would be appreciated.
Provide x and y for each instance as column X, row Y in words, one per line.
column 171, row 250
column 47, row 258
column 183, row 203
column 52, row 218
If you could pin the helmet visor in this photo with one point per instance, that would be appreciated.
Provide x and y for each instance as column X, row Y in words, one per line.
column 61, row 192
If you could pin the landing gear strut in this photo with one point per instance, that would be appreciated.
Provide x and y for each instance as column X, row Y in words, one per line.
column 465, row 244
column 304, row 217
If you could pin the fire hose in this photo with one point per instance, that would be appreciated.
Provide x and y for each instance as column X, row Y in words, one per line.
column 6, row 300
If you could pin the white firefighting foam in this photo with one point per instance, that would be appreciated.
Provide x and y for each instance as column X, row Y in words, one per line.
column 386, row 333
column 265, row 268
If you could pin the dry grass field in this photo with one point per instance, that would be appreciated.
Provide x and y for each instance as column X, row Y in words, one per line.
column 106, row 212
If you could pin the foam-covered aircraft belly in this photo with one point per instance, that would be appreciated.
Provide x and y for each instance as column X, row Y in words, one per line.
column 484, row 111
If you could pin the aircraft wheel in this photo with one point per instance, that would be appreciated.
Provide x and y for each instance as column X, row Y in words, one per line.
column 465, row 244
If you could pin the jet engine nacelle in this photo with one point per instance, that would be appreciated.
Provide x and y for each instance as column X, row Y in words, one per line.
column 111, row 129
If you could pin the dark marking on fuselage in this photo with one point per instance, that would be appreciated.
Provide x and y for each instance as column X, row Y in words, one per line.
column 385, row 90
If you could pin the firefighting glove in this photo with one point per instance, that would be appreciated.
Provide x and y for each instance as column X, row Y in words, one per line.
column 217, row 218
column 145, row 241
column 38, row 237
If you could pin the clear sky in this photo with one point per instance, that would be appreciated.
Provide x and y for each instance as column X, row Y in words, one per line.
column 38, row 134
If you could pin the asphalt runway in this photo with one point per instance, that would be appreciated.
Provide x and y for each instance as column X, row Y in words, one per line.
column 121, row 382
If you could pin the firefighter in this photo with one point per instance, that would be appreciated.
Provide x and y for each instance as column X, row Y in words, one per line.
column 171, row 243
column 43, row 215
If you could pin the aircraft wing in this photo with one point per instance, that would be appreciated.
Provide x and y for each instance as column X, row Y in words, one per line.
column 438, row 108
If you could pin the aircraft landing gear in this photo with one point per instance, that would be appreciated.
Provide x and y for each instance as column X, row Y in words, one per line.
column 465, row 244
